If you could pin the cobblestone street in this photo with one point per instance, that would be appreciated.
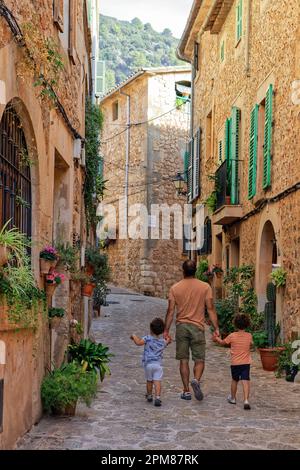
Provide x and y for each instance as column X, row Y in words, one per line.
column 121, row 419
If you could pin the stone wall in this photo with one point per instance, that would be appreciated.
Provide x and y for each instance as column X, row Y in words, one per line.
column 156, row 154
column 267, row 56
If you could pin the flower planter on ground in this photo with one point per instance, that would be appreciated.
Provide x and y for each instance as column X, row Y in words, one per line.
column 269, row 357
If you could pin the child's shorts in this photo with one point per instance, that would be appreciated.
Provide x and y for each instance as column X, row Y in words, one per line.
column 153, row 371
column 240, row 372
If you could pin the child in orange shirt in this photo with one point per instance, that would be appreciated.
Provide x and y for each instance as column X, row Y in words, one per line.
column 240, row 343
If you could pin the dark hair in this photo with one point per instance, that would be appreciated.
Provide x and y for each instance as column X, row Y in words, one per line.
column 157, row 326
column 241, row 321
column 189, row 268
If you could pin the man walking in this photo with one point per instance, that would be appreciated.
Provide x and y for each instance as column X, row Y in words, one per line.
column 190, row 297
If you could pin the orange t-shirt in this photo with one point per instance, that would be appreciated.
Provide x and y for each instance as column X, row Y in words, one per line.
column 190, row 296
column 240, row 343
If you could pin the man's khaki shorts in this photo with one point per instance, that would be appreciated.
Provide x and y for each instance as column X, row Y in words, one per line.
column 188, row 337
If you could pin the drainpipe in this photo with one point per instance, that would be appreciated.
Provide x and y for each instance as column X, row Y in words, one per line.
column 127, row 160
column 247, row 48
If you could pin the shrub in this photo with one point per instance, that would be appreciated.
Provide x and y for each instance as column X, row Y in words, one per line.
column 91, row 356
column 67, row 384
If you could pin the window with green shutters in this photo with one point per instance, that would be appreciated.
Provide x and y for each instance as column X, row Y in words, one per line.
column 234, row 155
column 253, row 152
column 268, row 138
column 239, row 20
column 227, row 152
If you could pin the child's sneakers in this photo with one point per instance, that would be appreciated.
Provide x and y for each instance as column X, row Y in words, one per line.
column 246, row 405
column 149, row 398
column 231, row 400
column 186, row 396
column 157, row 401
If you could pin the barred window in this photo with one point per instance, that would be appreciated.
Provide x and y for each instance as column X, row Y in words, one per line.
column 15, row 181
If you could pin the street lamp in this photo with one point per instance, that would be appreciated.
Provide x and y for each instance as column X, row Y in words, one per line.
column 180, row 184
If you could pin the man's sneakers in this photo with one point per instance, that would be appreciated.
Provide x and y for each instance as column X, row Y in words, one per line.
column 186, row 396
column 231, row 400
column 197, row 389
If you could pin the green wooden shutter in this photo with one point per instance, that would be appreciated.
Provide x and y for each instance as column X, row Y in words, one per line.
column 239, row 20
column 186, row 164
column 228, row 152
column 268, row 138
column 234, row 155
column 190, row 172
column 253, row 152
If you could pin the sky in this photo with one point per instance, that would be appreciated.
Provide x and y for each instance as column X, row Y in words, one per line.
column 161, row 14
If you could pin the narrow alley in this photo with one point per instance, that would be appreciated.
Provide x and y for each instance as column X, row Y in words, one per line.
column 121, row 419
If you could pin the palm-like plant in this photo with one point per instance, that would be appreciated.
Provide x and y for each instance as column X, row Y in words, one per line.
column 91, row 356
column 15, row 242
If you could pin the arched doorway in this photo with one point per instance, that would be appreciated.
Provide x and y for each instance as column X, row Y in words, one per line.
column 267, row 257
column 15, row 178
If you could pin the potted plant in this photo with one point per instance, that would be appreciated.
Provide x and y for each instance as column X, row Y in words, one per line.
column 48, row 259
column 202, row 270
column 12, row 243
column 278, row 276
column 211, row 202
column 286, row 364
column 64, row 386
column 77, row 278
column 91, row 356
column 269, row 352
column 217, row 270
column 55, row 314
column 225, row 310
column 53, row 279
column 88, row 286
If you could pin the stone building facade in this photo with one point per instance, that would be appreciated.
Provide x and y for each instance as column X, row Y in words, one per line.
column 157, row 144
column 246, row 71
column 53, row 126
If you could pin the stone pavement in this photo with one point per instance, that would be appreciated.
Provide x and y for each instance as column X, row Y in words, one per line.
column 121, row 419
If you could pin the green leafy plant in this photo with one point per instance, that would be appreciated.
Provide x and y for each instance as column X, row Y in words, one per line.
column 68, row 255
column 49, row 253
column 225, row 310
column 211, row 202
column 94, row 185
column 202, row 269
column 91, row 356
column 66, row 385
column 285, row 363
column 260, row 339
column 56, row 312
column 278, row 276
column 99, row 262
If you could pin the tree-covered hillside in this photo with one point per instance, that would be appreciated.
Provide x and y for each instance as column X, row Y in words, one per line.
column 128, row 46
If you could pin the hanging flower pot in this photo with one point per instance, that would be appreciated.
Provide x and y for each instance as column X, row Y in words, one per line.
column 3, row 255
column 88, row 289
column 50, row 289
column 90, row 270
column 48, row 259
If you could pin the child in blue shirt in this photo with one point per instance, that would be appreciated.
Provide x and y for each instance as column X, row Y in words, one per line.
column 154, row 346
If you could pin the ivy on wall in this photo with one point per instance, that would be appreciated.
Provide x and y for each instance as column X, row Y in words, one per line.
column 94, row 185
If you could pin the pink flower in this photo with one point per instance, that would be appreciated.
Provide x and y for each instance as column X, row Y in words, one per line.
column 55, row 278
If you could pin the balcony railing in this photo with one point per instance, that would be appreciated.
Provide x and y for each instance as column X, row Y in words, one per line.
column 222, row 185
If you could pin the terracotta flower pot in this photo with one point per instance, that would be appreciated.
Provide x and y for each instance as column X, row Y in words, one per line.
column 55, row 322
column 269, row 357
column 87, row 290
column 70, row 410
column 46, row 265
column 50, row 289
column 227, row 200
column 3, row 255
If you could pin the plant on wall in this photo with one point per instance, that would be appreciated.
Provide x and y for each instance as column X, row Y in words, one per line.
column 94, row 185
column 278, row 276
